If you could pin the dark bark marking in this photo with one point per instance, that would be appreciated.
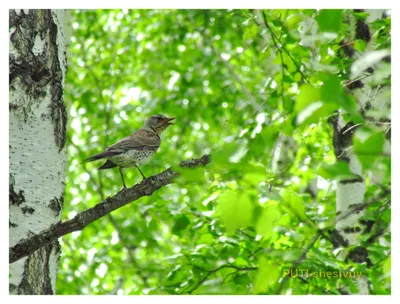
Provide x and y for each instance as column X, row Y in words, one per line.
column 56, row 204
column 11, row 288
column 353, row 229
column 359, row 255
column 362, row 31
column 337, row 240
column 352, row 85
column 27, row 209
column 368, row 225
column 341, row 138
column 15, row 198
column 346, row 49
column 352, row 181
column 58, row 109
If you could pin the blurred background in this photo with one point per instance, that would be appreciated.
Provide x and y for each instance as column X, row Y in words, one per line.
column 220, row 74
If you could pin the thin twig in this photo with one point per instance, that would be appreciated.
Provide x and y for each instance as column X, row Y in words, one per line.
column 210, row 272
column 297, row 262
column 283, row 47
column 281, row 56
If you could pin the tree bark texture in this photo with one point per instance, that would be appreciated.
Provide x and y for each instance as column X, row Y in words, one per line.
column 351, row 192
column 37, row 154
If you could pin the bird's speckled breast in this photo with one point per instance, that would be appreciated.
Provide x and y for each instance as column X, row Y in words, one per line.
column 132, row 158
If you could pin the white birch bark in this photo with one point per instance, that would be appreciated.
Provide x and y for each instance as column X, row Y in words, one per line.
column 351, row 192
column 37, row 153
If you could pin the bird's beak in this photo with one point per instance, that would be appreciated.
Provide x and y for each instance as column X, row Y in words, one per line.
column 168, row 121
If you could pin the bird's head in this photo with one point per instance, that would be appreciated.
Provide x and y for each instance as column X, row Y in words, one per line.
column 157, row 123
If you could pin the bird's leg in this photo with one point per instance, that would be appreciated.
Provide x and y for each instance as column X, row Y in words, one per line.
column 123, row 181
column 144, row 177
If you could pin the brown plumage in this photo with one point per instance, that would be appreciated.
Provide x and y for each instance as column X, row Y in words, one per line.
column 135, row 149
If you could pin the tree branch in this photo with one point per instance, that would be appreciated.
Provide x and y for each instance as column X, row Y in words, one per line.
column 282, row 47
column 210, row 272
column 297, row 263
column 145, row 188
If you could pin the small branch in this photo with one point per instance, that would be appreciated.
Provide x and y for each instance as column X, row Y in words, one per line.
column 145, row 188
column 359, row 207
column 117, row 286
column 280, row 54
column 210, row 272
column 282, row 47
column 297, row 263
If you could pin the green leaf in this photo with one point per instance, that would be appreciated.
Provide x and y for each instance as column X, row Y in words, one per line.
column 267, row 276
column 295, row 203
column 310, row 106
column 360, row 45
column 235, row 210
column 332, row 92
column 230, row 153
column 206, row 239
column 361, row 15
column 287, row 61
column 288, row 103
column 263, row 143
column 368, row 145
column 329, row 20
column 293, row 20
column 387, row 267
column 267, row 221
column 189, row 175
column 250, row 32
column 314, row 103
column 338, row 170
column 308, row 94
column 311, row 114
column 180, row 223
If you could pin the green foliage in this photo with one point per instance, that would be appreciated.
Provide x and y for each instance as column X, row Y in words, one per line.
column 234, row 209
column 338, row 170
column 267, row 277
column 330, row 20
column 236, row 225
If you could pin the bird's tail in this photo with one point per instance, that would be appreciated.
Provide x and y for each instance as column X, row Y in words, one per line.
column 107, row 165
column 99, row 156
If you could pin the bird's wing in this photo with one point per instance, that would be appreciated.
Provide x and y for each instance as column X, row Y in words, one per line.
column 139, row 140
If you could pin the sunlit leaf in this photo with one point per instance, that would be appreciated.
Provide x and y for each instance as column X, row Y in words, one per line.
column 338, row 170
column 267, row 221
column 295, row 202
column 267, row 276
column 235, row 210
column 368, row 145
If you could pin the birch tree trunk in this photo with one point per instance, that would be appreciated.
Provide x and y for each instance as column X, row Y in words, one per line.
column 37, row 153
column 351, row 192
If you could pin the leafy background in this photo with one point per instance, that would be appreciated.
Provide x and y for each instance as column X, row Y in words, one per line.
column 236, row 225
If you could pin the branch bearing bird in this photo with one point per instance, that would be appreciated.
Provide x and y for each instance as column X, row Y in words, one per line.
column 135, row 149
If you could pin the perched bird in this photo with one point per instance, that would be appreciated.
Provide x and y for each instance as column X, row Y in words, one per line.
column 135, row 149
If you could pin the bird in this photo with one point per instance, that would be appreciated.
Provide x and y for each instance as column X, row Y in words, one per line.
column 135, row 149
